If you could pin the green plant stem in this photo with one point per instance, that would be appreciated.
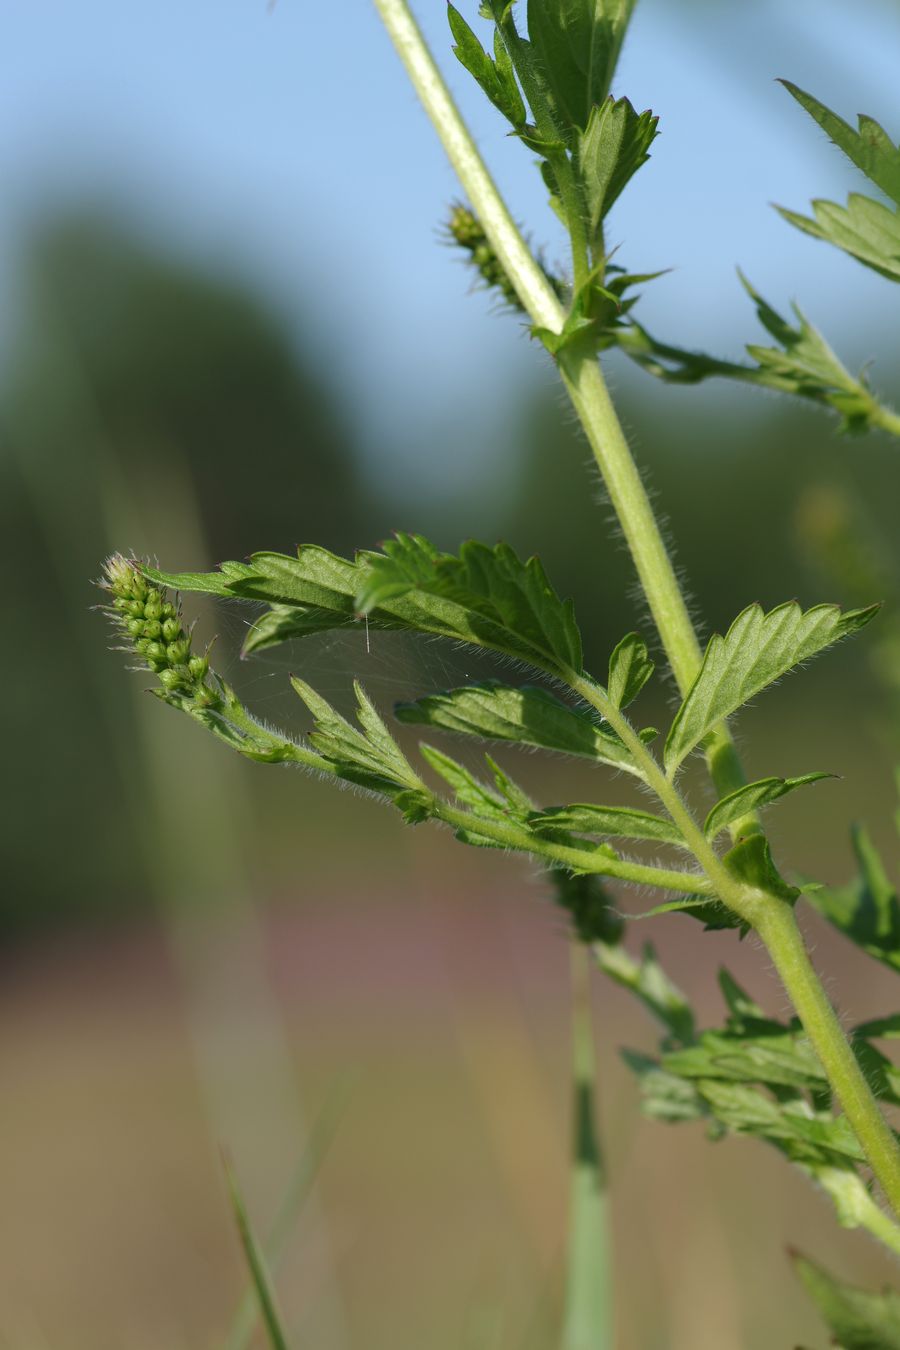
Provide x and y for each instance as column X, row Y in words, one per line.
column 585, row 383
column 577, row 860
column 588, row 1321
column 855, row 1206
column 587, row 389
column 777, row 926
column 531, row 285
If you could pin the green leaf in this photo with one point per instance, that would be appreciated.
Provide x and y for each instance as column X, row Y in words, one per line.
column 867, row 911
column 751, row 862
column 859, row 1320
column 576, row 45
column 870, row 148
column 785, row 1059
column 609, row 821
column 208, row 583
column 495, row 78
column 630, row 668
column 651, row 984
column 664, row 1096
column 805, row 1138
column 866, row 229
column 614, row 145
column 527, row 715
column 265, row 1293
column 507, row 803
column 802, row 364
column 755, row 652
column 711, row 913
column 742, row 1008
column 880, row 1028
column 752, row 797
column 369, row 757
column 485, row 597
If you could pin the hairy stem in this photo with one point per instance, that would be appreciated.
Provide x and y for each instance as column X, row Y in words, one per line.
column 531, row 285
column 777, row 926
column 576, row 859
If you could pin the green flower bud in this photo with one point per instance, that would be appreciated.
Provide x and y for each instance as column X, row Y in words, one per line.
column 152, row 606
column 171, row 628
column 198, row 667
column 170, row 679
column 156, row 651
column 135, row 627
column 152, row 628
column 178, row 652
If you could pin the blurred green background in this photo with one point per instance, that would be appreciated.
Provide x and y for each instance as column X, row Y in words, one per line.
column 195, row 950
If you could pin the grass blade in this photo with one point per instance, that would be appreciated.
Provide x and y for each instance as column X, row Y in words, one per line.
column 588, row 1308
column 256, row 1262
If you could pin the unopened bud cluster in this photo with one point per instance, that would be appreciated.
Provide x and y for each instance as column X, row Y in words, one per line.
column 465, row 229
column 153, row 628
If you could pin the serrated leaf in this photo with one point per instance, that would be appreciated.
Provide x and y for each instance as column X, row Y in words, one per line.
column 207, row 583
column 870, row 148
column 630, row 668
column 615, row 143
column 866, row 229
column 859, row 1320
column 755, row 652
column 486, row 597
column 804, row 1137
column 526, row 715
column 803, row 364
column 651, row 984
column 369, row 757
column 664, row 1096
column 576, row 44
column 784, row 1059
column 495, row 78
column 867, row 911
column 752, row 797
column 609, row 821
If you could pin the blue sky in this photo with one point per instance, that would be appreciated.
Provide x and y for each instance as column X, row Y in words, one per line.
column 283, row 143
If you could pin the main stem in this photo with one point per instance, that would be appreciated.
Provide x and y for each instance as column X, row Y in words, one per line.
column 587, row 389
column 778, row 929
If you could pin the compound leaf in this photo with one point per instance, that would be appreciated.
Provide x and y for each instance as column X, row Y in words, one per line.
column 866, row 229
column 369, row 757
column 755, row 652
